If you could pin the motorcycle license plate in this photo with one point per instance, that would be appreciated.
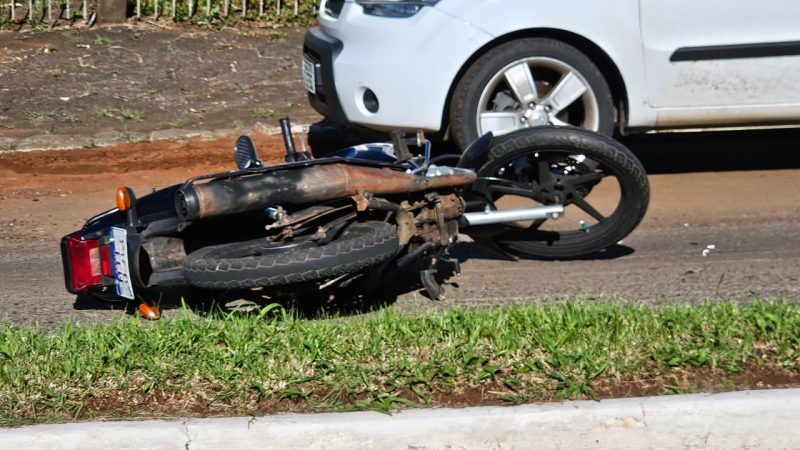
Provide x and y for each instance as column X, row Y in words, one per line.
column 309, row 77
column 119, row 262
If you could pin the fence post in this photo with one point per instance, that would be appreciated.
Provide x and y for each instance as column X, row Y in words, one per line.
column 67, row 10
column 260, row 8
column 244, row 9
column 191, row 9
column 13, row 7
column 225, row 7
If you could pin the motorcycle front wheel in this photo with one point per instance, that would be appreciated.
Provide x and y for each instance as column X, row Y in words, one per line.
column 603, row 188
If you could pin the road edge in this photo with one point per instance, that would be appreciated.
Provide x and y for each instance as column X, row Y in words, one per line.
column 751, row 419
column 111, row 138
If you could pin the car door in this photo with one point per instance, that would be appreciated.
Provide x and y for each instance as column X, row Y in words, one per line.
column 722, row 61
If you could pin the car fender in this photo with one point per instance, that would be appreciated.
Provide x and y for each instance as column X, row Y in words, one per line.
column 613, row 26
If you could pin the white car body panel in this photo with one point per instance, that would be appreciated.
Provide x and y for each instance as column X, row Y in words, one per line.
column 720, row 91
column 404, row 61
column 412, row 63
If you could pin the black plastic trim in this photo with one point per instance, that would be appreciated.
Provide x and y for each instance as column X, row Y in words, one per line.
column 736, row 51
column 319, row 46
column 334, row 7
column 66, row 264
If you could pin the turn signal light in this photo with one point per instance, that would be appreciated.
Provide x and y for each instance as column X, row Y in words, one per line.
column 123, row 198
column 148, row 311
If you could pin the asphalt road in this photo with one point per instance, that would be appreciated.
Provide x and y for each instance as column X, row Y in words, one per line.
column 739, row 192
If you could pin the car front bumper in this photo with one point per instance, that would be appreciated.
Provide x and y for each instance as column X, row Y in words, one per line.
column 410, row 64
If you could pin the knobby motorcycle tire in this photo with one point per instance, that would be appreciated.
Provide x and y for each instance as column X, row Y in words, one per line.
column 612, row 154
column 240, row 266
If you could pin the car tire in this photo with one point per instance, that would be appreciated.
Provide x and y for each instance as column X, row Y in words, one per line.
column 484, row 99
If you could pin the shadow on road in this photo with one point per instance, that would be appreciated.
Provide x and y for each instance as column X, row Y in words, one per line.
column 717, row 151
column 300, row 301
column 660, row 153
column 464, row 251
column 88, row 302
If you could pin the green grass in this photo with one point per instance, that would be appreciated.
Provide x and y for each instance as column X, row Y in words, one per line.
column 178, row 123
column 69, row 117
column 121, row 114
column 40, row 115
column 106, row 113
column 243, row 364
column 243, row 88
column 102, row 40
column 131, row 114
column 263, row 113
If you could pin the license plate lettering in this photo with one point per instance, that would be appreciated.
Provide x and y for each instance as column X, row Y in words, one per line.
column 309, row 76
column 119, row 262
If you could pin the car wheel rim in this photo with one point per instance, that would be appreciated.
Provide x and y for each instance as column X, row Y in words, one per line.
column 536, row 91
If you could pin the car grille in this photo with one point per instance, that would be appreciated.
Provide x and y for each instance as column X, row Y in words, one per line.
column 334, row 7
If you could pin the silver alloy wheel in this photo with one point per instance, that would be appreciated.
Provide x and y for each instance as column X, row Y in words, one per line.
column 537, row 91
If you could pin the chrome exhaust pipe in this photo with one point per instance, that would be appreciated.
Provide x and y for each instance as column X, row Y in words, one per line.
column 489, row 217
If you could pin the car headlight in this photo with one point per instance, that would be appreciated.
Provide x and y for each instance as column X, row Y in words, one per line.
column 394, row 8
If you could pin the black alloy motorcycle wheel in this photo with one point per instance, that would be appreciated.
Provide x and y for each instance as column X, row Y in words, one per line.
column 242, row 265
column 601, row 184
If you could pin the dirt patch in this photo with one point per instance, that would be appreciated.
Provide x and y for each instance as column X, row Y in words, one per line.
column 44, row 195
column 52, row 173
column 702, row 379
column 201, row 401
column 47, row 169
column 122, row 82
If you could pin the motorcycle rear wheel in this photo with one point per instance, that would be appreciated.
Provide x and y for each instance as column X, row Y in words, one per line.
column 551, row 165
column 242, row 265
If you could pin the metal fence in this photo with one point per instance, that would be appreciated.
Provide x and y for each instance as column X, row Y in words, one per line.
column 42, row 11
column 32, row 12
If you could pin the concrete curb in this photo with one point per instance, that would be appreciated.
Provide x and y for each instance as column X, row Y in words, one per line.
column 746, row 419
column 109, row 138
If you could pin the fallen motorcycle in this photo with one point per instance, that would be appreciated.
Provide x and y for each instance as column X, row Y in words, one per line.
column 366, row 210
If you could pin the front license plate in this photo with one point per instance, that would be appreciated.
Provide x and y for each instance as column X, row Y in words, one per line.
column 119, row 256
column 309, row 76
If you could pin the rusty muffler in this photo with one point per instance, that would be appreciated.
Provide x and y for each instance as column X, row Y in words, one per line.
column 315, row 183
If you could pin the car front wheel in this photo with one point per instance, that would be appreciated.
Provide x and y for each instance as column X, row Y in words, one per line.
column 530, row 82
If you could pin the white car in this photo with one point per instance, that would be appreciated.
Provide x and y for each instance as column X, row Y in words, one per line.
column 471, row 66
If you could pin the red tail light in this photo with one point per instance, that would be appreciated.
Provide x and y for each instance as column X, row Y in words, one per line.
column 105, row 260
column 86, row 267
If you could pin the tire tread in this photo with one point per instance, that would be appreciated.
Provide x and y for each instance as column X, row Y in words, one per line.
column 376, row 242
